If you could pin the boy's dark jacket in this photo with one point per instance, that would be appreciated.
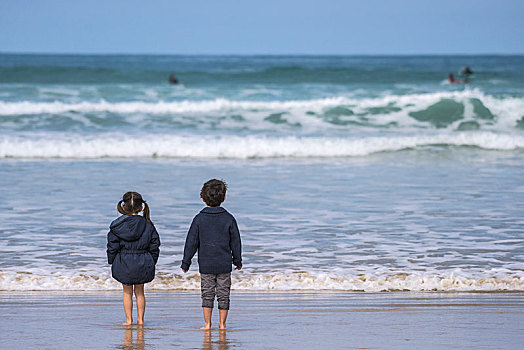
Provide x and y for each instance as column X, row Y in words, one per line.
column 214, row 233
column 132, row 249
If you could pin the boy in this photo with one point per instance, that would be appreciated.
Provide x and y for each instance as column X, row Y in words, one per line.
column 214, row 233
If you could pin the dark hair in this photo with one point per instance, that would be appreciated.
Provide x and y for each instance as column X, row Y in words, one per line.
column 214, row 192
column 131, row 203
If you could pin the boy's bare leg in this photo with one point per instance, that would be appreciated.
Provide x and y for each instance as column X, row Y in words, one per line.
column 208, row 311
column 208, row 342
column 222, row 340
column 128, row 304
column 140, row 303
column 223, row 318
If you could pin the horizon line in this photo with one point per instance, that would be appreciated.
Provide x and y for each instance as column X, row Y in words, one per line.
column 252, row 54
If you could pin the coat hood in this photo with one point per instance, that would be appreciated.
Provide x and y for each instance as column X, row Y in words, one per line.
column 129, row 227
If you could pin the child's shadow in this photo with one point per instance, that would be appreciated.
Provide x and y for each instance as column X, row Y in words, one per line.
column 221, row 344
column 128, row 343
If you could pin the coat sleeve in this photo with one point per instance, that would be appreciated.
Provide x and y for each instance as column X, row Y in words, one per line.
column 113, row 246
column 154, row 245
column 235, row 244
column 191, row 246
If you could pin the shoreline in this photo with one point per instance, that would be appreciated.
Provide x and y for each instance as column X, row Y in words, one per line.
column 268, row 291
column 267, row 320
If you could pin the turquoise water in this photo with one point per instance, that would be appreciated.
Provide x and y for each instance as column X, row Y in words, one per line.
column 101, row 106
column 345, row 173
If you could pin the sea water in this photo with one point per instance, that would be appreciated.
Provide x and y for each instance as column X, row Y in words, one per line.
column 345, row 173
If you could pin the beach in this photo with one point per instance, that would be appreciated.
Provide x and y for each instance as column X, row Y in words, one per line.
column 291, row 320
column 379, row 206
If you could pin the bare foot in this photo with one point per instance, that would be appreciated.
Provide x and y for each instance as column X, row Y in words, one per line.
column 127, row 323
column 140, row 322
column 206, row 326
column 221, row 326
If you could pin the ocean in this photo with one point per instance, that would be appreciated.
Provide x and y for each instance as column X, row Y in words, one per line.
column 345, row 173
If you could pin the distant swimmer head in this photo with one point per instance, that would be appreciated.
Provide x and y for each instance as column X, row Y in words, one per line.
column 173, row 79
column 466, row 71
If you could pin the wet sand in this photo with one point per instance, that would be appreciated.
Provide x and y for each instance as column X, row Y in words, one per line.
column 290, row 320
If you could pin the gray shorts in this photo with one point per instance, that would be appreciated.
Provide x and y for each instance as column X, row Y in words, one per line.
column 212, row 284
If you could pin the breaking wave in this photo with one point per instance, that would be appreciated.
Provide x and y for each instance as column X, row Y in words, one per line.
column 188, row 106
column 459, row 110
column 238, row 147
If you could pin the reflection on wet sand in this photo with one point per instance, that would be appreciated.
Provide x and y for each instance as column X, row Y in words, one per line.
column 128, row 343
column 210, row 339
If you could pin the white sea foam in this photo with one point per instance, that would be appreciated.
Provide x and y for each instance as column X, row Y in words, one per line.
column 409, row 101
column 490, row 282
column 161, row 107
column 306, row 116
column 237, row 147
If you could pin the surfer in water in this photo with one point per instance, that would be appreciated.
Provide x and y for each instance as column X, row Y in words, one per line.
column 173, row 80
column 467, row 72
column 452, row 80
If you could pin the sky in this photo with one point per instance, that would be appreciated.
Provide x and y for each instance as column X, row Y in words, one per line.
column 244, row 27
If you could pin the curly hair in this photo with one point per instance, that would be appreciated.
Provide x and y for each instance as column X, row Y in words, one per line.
column 214, row 192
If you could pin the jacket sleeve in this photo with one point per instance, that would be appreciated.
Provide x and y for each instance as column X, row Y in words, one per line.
column 113, row 246
column 191, row 246
column 154, row 245
column 235, row 244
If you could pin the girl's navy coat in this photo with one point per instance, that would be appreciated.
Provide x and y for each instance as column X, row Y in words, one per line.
column 132, row 249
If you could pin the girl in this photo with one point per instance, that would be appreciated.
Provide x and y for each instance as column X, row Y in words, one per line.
column 132, row 249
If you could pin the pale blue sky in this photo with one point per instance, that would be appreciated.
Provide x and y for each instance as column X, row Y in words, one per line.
column 263, row 26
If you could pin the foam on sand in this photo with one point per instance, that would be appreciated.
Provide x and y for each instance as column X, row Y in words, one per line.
column 287, row 281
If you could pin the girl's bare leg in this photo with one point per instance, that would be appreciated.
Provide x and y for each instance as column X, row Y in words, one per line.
column 223, row 318
column 140, row 303
column 128, row 304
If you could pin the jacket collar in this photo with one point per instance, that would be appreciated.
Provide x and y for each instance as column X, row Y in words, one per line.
column 213, row 210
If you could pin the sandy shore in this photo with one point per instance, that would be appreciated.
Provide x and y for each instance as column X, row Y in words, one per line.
column 90, row 320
